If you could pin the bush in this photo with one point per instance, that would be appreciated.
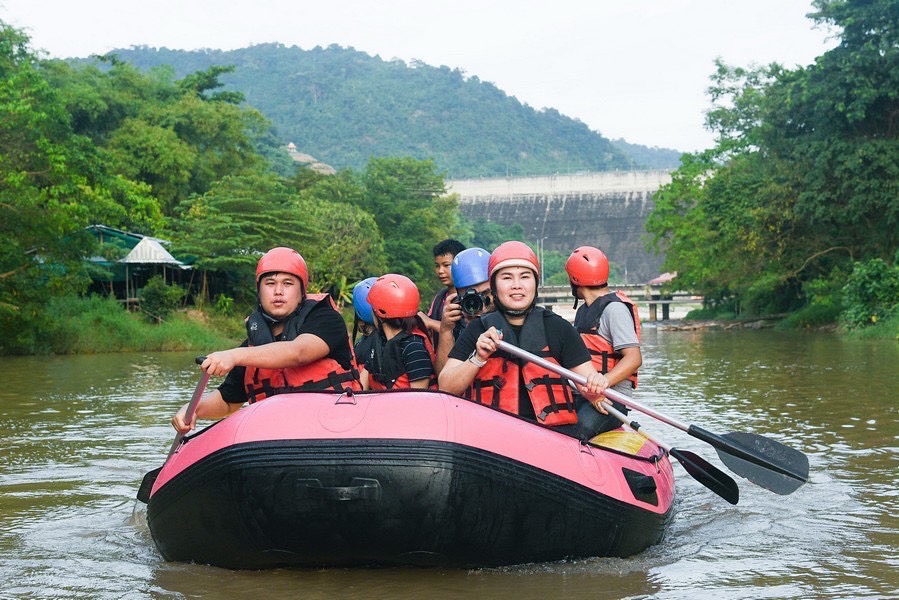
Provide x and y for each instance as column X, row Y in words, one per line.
column 871, row 293
column 814, row 315
column 158, row 299
column 224, row 305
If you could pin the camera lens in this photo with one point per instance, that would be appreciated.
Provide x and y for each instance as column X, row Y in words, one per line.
column 471, row 302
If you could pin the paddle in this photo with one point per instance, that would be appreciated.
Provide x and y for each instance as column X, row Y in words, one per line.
column 700, row 469
column 761, row 460
column 146, row 485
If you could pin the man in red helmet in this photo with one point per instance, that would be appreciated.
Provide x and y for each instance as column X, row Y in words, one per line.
column 476, row 369
column 294, row 342
column 609, row 324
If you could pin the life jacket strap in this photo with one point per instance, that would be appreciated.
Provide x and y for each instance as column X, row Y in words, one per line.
column 567, row 402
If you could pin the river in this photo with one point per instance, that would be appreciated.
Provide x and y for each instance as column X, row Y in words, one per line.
column 77, row 433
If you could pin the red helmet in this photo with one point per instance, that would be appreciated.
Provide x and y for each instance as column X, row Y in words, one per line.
column 512, row 254
column 394, row 296
column 588, row 266
column 283, row 260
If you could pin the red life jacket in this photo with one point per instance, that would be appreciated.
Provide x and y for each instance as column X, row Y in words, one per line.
column 499, row 382
column 388, row 369
column 586, row 321
column 322, row 374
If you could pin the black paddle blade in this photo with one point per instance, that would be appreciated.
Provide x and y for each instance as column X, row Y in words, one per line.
column 146, row 486
column 708, row 475
column 778, row 482
column 757, row 449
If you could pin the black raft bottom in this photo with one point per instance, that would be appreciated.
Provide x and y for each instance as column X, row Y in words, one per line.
column 313, row 503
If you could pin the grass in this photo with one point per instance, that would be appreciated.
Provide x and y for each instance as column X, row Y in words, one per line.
column 99, row 325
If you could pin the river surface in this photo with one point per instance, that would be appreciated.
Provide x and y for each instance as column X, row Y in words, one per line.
column 78, row 433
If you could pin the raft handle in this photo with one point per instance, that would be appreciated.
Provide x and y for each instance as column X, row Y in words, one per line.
column 360, row 488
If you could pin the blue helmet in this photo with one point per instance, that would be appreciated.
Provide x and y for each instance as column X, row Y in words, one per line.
column 470, row 267
column 360, row 300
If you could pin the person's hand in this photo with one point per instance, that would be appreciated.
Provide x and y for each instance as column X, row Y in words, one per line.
column 486, row 344
column 219, row 363
column 452, row 313
column 592, row 391
column 430, row 324
column 180, row 423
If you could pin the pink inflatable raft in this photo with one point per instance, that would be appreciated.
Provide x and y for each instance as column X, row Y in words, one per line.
column 318, row 479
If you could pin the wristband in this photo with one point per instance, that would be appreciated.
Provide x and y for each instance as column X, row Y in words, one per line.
column 473, row 359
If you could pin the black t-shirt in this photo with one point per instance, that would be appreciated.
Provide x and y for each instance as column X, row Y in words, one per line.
column 323, row 322
column 564, row 342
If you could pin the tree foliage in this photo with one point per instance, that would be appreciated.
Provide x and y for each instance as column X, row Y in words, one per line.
column 408, row 200
column 804, row 179
column 49, row 191
column 181, row 159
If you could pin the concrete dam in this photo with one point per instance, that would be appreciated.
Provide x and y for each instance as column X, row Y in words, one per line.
column 561, row 212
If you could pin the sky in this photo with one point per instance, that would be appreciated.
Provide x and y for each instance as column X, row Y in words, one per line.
column 632, row 69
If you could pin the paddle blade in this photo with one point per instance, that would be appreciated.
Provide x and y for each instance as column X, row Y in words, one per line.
column 146, row 486
column 757, row 449
column 793, row 461
column 707, row 474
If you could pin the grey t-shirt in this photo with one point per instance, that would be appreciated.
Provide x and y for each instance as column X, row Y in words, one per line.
column 617, row 327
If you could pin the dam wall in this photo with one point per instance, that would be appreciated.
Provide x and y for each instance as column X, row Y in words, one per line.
column 561, row 212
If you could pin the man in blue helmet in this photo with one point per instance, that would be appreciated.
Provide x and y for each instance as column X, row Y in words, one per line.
column 471, row 299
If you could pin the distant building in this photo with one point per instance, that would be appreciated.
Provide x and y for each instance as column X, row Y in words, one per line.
column 310, row 161
column 128, row 260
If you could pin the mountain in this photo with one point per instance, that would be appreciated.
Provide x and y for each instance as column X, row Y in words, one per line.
column 344, row 106
column 654, row 158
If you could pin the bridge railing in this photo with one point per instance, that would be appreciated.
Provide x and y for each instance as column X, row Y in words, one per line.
column 650, row 296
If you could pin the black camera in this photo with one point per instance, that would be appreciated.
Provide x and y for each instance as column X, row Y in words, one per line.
column 472, row 302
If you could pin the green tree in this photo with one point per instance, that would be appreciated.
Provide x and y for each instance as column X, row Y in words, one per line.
column 804, row 178
column 407, row 199
column 241, row 217
column 178, row 137
column 49, row 192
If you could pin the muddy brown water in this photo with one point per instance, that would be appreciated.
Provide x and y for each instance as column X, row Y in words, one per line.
column 78, row 433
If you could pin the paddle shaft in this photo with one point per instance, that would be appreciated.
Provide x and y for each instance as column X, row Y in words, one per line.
column 568, row 374
column 633, row 425
column 719, row 442
column 192, row 405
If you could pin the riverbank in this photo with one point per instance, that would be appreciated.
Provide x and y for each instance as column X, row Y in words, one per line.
column 95, row 326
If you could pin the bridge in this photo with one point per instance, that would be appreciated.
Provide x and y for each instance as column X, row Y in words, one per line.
column 649, row 298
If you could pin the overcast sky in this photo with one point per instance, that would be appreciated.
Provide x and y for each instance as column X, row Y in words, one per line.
column 636, row 69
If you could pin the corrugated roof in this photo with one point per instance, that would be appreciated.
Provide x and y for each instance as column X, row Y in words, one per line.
column 149, row 251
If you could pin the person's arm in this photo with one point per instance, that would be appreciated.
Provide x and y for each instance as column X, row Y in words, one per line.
column 364, row 379
column 210, row 406
column 631, row 359
column 431, row 324
column 452, row 314
column 275, row 355
column 458, row 374
column 617, row 327
column 420, row 384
